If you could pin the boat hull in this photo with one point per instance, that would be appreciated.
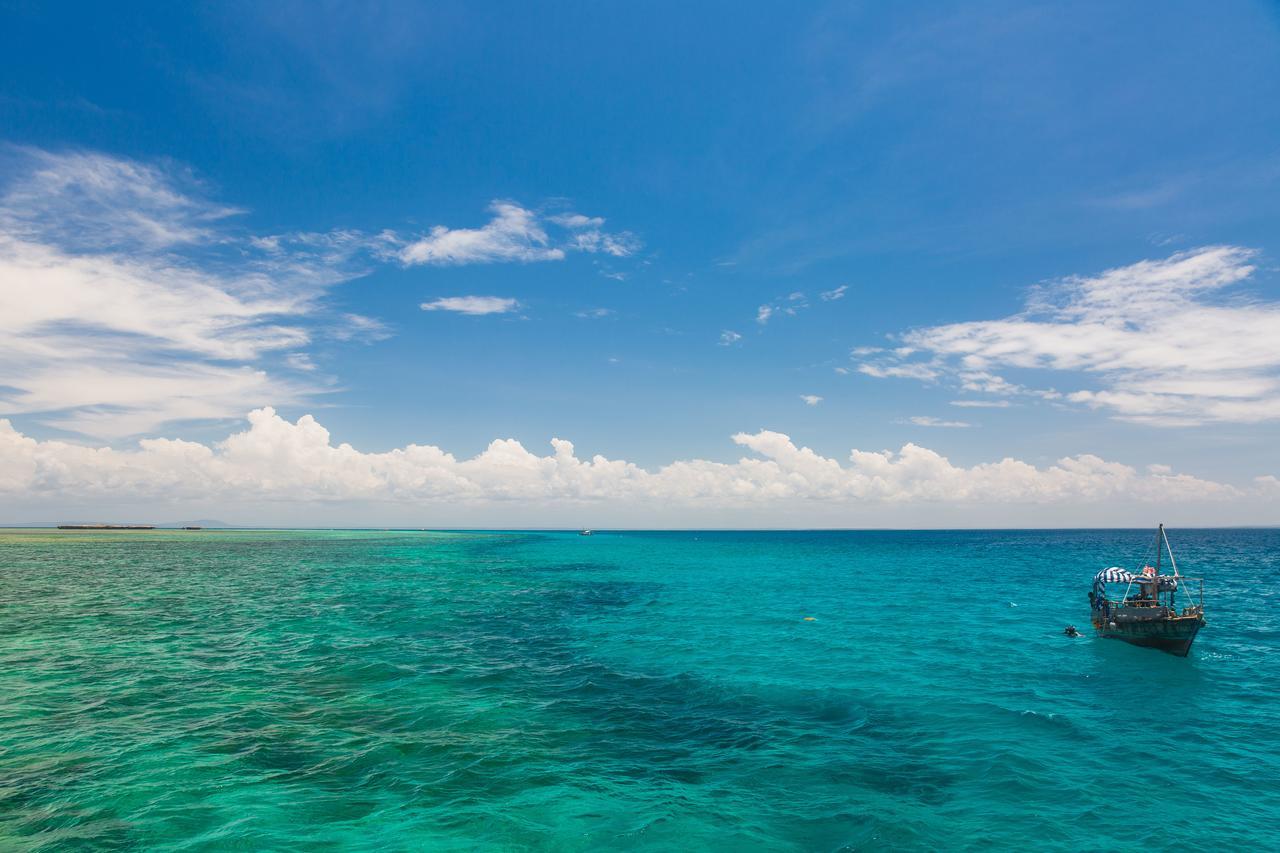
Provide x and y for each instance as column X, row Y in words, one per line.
column 1174, row 635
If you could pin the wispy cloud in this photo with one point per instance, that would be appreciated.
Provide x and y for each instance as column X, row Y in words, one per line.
column 587, row 234
column 1157, row 338
column 811, row 399
column 594, row 313
column 833, row 295
column 728, row 337
column 981, row 404
column 136, row 300
column 515, row 233
column 928, row 421
column 89, row 201
column 125, row 306
column 789, row 305
column 300, row 361
column 473, row 305
column 920, row 371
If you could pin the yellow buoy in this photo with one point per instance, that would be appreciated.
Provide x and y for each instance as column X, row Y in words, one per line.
column 810, row 619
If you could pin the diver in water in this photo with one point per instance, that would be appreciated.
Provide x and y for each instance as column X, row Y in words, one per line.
column 1071, row 631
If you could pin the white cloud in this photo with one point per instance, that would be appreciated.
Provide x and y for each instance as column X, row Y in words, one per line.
column 299, row 361
column 1157, row 336
column 791, row 305
column 577, row 221
column 900, row 371
column 473, row 305
column 981, row 404
column 92, row 201
column 108, row 328
column 928, row 421
column 587, row 235
column 595, row 313
column 728, row 337
column 129, row 300
column 515, row 233
column 357, row 327
column 833, row 295
column 276, row 460
column 811, row 399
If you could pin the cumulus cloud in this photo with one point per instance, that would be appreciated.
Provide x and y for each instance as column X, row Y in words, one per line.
column 277, row 460
column 473, row 305
column 1161, row 341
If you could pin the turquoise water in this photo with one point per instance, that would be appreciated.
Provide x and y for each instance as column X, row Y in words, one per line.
column 393, row 691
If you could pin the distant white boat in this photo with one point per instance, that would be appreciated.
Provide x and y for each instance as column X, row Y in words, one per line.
column 586, row 531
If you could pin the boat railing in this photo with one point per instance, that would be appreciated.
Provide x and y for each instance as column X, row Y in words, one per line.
column 1163, row 597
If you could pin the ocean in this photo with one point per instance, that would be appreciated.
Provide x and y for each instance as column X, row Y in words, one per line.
column 371, row 690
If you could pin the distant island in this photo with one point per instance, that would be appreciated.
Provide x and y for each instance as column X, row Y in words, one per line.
column 189, row 524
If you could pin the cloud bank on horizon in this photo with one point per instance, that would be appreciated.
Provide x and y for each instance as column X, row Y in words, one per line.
column 297, row 462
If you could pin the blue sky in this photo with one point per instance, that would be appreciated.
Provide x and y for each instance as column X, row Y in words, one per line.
column 653, row 200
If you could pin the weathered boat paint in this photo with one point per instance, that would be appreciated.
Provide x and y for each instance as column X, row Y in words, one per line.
column 1150, row 618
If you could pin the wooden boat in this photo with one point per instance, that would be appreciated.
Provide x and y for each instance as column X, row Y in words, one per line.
column 1147, row 612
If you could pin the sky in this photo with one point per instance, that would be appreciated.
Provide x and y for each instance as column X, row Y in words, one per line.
column 640, row 265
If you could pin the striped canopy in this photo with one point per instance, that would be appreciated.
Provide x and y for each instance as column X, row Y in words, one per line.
column 1115, row 574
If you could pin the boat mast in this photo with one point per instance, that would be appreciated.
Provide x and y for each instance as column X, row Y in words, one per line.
column 1155, row 585
column 1159, row 542
column 1177, row 575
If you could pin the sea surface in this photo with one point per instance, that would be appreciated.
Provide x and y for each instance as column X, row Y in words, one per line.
column 303, row 690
